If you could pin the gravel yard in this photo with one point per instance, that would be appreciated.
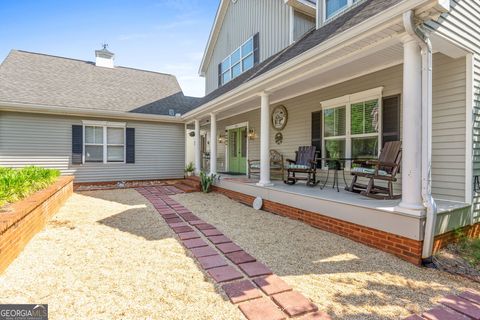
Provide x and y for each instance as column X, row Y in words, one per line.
column 109, row 255
column 345, row 279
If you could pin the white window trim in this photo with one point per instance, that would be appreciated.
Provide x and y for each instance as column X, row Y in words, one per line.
column 349, row 5
column 229, row 57
column 347, row 101
column 105, row 125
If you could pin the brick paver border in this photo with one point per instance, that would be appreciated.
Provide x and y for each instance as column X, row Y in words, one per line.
column 244, row 282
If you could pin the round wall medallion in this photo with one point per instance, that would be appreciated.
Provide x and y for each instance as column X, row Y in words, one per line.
column 258, row 203
column 278, row 138
column 279, row 117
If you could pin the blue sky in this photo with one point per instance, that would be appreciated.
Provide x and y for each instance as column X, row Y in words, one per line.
column 159, row 35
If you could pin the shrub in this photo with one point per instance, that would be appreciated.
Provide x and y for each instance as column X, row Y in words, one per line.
column 16, row 184
column 206, row 181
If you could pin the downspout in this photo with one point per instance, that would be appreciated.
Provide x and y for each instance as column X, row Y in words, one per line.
column 426, row 166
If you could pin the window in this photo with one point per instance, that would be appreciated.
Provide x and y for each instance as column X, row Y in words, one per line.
column 351, row 126
column 104, row 142
column 334, row 7
column 241, row 60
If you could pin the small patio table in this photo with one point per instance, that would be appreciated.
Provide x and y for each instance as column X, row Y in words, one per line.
column 338, row 164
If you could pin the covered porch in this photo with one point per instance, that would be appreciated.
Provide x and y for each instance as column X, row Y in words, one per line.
column 382, row 67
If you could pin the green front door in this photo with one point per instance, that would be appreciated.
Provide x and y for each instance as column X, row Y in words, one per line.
column 237, row 150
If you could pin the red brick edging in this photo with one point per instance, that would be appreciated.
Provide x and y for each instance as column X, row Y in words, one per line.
column 247, row 282
column 29, row 216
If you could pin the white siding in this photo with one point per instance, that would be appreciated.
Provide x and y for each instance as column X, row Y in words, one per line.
column 448, row 120
column 302, row 24
column 243, row 19
column 46, row 140
column 461, row 24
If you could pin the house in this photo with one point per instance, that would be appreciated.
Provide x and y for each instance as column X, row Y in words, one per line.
column 404, row 70
column 399, row 69
column 95, row 120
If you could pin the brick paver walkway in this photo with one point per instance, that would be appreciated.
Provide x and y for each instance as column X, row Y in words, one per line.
column 248, row 283
column 465, row 306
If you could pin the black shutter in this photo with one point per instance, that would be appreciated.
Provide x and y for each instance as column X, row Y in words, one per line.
column 256, row 49
column 391, row 119
column 219, row 75
column 130, row 145
column 77, row 144
column 317, row 131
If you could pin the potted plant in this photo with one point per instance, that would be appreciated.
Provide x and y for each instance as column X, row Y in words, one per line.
column 189, row 169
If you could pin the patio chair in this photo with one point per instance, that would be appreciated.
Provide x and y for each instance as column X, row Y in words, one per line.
column 305, row 164
column 277, row 166
column 384, row 169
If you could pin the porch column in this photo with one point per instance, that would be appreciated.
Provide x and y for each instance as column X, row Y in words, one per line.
column 213, row 143
column 265, row 140
column 412, row 127
column 198, row 150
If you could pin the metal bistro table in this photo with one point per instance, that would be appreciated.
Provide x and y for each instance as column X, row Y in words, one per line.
column 338, row 164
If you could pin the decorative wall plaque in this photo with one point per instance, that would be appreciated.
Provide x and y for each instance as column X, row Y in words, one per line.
column 279, row 117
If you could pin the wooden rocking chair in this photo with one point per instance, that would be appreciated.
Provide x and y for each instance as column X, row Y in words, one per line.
column 384, row 169
column 305, row 164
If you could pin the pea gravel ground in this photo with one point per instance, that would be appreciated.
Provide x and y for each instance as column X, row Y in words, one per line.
column 345, row 279
column 109, row 255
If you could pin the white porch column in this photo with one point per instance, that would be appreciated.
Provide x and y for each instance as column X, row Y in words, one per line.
column 198, row 150
column 412, row 128
column 265, row 140
column 213, row 143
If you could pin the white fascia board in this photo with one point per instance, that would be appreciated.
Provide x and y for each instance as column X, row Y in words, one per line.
column 66, row 111
column 340, row 40
column 212, row 38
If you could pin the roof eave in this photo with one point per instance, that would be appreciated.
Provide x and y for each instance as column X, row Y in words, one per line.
column 60, row 110
column 212, row 39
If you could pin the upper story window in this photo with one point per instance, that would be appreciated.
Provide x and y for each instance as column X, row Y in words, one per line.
column 241, row 60
column 334, row 7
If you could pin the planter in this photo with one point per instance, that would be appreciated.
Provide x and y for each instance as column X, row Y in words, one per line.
column 29, row 216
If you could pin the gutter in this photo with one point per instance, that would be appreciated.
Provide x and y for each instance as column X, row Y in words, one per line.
column 59, row 110
column 426, row 166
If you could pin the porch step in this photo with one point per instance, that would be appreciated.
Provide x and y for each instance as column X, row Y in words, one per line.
column 185, row 188
column 192, row 181
column 189, row 184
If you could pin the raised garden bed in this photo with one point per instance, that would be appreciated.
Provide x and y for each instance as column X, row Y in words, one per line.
column 21, row 220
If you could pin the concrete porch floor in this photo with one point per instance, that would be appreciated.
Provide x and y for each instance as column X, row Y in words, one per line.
column 342, row 196
column 350, row 207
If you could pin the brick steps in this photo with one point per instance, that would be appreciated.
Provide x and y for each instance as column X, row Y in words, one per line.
column 251, row 285
column 189, row 184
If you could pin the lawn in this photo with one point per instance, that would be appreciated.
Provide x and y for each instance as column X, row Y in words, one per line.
column 16, row 184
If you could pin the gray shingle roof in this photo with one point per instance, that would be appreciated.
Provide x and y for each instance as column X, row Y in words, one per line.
column 34, row 78
column 349, row 19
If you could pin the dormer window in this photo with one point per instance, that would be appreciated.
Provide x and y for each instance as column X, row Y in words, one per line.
column 335, row 7
column 239, row 61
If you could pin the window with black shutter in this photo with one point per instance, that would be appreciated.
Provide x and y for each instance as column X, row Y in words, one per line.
column 240, row 60
column 77, row 144
column 317, row 132
column 130, row 145
column 391, row 119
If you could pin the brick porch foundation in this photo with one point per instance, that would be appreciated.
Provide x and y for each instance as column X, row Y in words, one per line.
column 442, row 240
column 404, row 248
column 29, row 216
